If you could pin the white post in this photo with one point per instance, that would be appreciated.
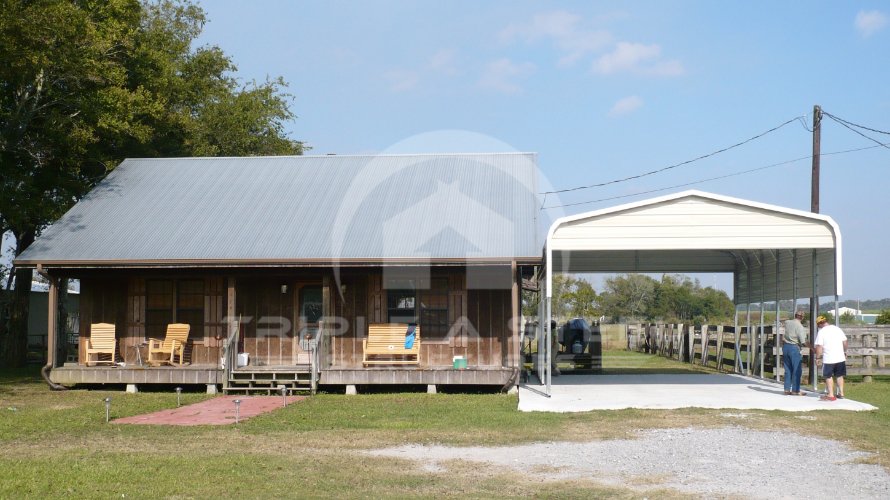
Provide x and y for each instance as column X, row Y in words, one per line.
column 777, row 346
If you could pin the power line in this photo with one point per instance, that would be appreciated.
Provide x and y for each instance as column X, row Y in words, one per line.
column 838, row 118
column 786, row 162
column 850, row 126
column 616, row 181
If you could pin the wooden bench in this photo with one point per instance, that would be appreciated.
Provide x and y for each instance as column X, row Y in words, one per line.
column 385, row 345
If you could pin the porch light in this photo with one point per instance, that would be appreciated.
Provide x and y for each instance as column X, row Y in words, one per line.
column 107, row 409
column 343, row 289
column 237, row 409
column 178, row 394
column 283, row 288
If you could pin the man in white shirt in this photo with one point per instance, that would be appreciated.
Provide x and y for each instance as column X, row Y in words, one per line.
column 831, row 346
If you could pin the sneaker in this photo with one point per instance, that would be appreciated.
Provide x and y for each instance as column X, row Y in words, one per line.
column 787, row 393
column 840, row 396
column 826, row 397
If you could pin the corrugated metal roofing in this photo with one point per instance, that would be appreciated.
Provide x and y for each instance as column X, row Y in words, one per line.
column 302, row 208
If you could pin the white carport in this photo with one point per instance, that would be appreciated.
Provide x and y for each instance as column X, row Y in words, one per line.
column 774, row 253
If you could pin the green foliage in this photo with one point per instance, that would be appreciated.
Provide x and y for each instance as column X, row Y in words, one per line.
column 629, row 296
column 883, row 318
column 574, row 298
column 674, row 299
column 85, row 84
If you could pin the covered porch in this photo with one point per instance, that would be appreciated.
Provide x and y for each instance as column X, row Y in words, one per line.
column 301, row 327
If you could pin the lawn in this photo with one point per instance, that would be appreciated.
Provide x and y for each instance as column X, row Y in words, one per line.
column 57, row 443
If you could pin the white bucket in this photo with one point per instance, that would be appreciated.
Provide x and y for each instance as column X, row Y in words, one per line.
column 243, row 359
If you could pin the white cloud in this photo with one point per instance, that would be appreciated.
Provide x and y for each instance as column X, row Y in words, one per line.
column 563, row 30
column 626, row 105
column 502, row 75
column 637, row 58
column 870, row 22
column 402, row 80
column 444, row 61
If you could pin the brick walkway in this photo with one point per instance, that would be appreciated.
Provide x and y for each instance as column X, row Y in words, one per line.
column 216, row 411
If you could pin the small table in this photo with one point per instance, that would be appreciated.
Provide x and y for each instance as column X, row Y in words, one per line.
column 136, row 347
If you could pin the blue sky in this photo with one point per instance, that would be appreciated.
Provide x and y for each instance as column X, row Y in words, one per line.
column 601, row 91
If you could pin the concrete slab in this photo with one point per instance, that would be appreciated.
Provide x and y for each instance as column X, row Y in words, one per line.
column 216, row 411
column 574, row 393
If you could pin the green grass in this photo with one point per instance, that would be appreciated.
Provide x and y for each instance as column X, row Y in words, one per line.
column 57, row 443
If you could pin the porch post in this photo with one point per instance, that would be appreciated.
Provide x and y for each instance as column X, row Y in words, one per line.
column 231, row 346
column 52, row 324
column 326, row 312
column 513, row 357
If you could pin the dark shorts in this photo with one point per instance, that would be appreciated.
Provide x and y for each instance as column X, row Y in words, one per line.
column 834, row 369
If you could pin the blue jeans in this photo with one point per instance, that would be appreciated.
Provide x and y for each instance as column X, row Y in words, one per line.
column 791, row 363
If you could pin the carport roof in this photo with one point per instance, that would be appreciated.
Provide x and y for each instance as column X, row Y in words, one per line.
column 773, row 252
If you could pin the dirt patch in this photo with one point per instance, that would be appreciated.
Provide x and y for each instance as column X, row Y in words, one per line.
column 724, row 462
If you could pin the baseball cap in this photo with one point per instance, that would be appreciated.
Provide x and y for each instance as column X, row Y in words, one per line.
column 821, row 319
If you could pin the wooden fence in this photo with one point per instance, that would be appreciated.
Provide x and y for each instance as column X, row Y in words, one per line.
column 757, row 352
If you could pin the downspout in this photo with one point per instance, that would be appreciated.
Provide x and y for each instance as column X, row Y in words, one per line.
column 52, row 333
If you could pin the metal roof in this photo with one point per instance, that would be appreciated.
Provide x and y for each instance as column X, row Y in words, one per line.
column 188, row 211
column 772, row 251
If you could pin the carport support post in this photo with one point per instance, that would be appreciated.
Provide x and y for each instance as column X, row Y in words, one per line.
column 814, row 312
column 777, row 346
column 548, row 342
column 760, row 334
column 737, row 332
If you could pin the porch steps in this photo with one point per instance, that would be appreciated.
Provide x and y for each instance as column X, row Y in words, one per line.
column 258, row 380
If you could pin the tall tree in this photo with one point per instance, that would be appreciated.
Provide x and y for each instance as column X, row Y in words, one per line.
column 629, row 296
column 87, row 83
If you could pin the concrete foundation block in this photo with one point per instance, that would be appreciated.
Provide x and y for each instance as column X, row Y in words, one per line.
column 431, row 389
column 132, row 389
column 351, row 390
column 212, row 389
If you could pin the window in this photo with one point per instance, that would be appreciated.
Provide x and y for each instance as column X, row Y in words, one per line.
column 434, row 309
column 190, row 305
column 158, row 307
column 427, row 305
column 173, row 301
column 401, row 306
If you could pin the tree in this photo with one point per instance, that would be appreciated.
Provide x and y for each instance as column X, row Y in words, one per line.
column 883, row 318
column 85, row 84
column 628, row 296
column 572, row 298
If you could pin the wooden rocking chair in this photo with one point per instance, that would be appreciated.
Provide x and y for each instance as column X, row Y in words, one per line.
column 165, row 351
column 102, row 341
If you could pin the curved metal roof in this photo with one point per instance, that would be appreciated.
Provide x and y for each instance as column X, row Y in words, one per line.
column 772, row 251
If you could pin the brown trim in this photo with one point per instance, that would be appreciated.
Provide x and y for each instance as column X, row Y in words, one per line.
column 193, row 263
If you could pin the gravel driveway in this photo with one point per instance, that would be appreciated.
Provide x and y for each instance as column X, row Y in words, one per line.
column 731, row 461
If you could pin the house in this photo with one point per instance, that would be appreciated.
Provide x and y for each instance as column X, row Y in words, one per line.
column 280, row 264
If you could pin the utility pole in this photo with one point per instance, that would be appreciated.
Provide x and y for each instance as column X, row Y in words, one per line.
column 814, row 207
column 817, row 146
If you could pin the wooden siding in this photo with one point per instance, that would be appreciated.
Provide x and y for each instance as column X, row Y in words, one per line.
column 267, row 320
column 479, row 323
column 103, row 301
column 122, row 301
column 479, row 320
